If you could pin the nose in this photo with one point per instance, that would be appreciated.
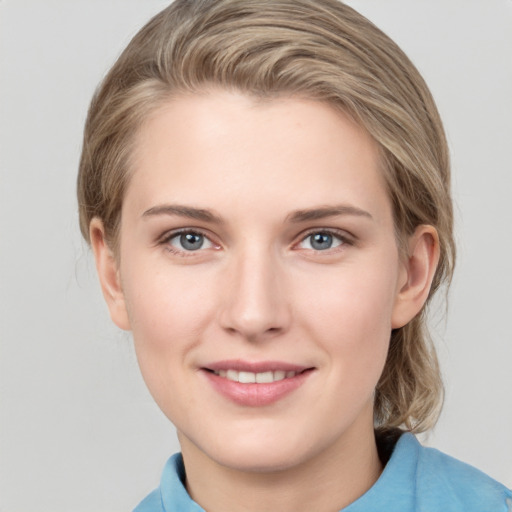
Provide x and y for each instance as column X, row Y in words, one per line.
column 256, row 305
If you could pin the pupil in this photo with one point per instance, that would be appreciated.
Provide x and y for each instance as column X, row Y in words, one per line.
column 191, row 241
column 321, row 241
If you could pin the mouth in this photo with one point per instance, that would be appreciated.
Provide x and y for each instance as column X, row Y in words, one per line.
column 256, row 384
column 245, row 377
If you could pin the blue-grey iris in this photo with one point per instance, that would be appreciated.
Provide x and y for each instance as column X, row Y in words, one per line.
column 321, row 241
column 191, row 241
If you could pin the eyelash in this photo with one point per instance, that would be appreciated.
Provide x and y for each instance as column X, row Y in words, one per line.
column 342, row 236
column 166, row 241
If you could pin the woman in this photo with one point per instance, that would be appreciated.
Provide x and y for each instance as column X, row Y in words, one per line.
column 265, row 186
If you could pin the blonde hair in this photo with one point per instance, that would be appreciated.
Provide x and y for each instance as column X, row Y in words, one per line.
column 319, row 49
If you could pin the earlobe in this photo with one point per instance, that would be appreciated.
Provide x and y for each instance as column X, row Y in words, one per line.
column 419, row 269
column 108, row 274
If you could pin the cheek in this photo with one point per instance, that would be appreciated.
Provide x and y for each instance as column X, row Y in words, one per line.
column 349, row 314
column 167, row 310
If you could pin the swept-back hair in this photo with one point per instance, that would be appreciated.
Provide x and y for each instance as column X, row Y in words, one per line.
column 318, row 49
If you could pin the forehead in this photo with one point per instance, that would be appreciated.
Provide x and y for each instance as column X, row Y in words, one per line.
column 223, row 146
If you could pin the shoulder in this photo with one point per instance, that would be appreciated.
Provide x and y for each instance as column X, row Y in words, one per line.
column 151, row 503
column 445, row 483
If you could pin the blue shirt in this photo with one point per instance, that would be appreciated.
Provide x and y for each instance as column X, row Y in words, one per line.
column 415, row 479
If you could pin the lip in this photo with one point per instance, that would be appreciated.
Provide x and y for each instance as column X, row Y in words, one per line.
column 253, row 394
column 254, row 366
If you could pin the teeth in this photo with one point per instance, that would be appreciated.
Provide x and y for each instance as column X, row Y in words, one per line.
column 246, row 377
column 279, row 375
column 232, row 375
column 250, row 377
column 264, row 377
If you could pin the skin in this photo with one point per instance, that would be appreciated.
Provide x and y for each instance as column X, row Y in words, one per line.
column 259, row 290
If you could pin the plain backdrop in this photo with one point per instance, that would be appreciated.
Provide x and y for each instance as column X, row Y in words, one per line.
column 78, row 430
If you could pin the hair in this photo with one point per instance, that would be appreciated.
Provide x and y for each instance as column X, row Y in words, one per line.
column 316, row 49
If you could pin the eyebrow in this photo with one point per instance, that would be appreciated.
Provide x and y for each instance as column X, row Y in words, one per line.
column 184, row 211
column 298, row 216
column 326, row 211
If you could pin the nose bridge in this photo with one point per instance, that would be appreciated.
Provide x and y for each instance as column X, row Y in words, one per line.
column 256, row 306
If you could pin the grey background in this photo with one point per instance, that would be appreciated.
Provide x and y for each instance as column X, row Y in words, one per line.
column 78, row 430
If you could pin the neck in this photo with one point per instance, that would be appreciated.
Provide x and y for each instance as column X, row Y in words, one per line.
column 330, row 481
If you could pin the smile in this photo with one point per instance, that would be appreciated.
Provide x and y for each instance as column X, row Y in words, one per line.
column 259, row 378
column 256, row 384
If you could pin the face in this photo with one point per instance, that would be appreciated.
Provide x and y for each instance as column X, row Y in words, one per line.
column 260, row 275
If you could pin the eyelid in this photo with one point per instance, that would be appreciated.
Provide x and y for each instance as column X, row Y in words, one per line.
column 345, row 237
column 173, row 233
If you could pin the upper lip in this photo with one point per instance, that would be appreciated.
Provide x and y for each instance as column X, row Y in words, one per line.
column 255, row 366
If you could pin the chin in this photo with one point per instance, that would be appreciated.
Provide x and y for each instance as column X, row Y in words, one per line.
column 260, row 461
column 260, row 453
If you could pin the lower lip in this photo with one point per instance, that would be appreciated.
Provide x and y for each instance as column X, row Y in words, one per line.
column 256, row 395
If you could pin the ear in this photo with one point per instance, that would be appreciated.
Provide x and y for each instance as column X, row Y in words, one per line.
column 417, row 273
column 108, row 273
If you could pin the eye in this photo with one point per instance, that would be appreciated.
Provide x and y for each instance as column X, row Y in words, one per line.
column 188, row 241
column 322, row 241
